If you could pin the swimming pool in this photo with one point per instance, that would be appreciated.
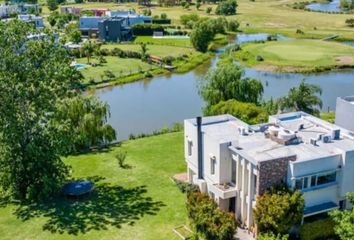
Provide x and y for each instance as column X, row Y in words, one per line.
column 79, row 66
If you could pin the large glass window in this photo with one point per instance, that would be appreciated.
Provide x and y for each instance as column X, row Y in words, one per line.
column 298, row 184
column 326, row 178
column 315, row 180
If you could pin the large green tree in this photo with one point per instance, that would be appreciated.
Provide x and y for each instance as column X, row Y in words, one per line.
column 344, row 220
column 226, row 82
column 227, row 7
column 278, row 210
column 202, row 34
column 247, row 112
column 34, row 77
column 305, row 97
column 88, row 118
column 43, row 115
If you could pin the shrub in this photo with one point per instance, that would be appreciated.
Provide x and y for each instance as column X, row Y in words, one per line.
column 148, row 74
column 247, row 112
column 259, row 58
column 189, row 17
column 185, row 187
column 121, row 156
column 299, row 31
column 161, row 21
column 227, row 7
column 146, row 29
column 271, row 236
column 168, row 60
column 109, row 74
column 209, row 221
column 350, row 22
column 320, row 229
column 233, row 25
column 278, row 210
column 209, row 10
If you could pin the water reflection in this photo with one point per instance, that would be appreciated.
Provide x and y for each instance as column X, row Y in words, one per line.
column 149, row 105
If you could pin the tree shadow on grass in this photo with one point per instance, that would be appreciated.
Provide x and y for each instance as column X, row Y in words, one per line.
column 107, row 205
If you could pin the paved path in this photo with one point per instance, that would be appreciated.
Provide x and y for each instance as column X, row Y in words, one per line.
column 242, row 234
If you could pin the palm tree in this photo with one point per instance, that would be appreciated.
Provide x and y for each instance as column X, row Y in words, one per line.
column 88, row 49
column 305, row 97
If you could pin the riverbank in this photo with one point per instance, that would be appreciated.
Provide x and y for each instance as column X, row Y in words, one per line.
column 181, row 66
column 296, row 56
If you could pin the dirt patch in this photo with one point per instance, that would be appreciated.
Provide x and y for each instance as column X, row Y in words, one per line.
column 183, row 177
column 345, row 60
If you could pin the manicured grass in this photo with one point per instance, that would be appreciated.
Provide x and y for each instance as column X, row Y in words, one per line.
column 182, row 42
column 297, row 55
column 139, row 202
column 270, row 16
column 157, row 50
column 118, row 66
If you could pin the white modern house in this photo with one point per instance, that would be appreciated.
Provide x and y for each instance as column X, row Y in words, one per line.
column 345, row 112
column 235, row 162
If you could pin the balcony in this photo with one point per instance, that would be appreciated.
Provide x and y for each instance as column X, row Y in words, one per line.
column 224, row 191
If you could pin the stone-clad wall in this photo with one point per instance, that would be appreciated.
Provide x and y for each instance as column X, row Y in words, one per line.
column 272, row 172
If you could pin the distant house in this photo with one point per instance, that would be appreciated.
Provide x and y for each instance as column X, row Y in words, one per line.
column 7, row 10
column 235, row 162
column 89, row 25
column 29, row 18
column 345, row 113
column 131, row 16
column 114, row 30
column 70, row 10
column 109, row 29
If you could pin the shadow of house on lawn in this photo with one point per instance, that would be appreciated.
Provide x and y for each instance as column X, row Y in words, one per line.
column 107, row 205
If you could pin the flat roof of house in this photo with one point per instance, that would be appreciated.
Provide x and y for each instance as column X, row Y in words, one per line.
column 256, row 147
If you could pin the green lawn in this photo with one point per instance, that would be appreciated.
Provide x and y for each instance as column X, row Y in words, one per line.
column 271, row 16
column 118, row 66
column 139, row 202
column 296, row 55
column 183, row 42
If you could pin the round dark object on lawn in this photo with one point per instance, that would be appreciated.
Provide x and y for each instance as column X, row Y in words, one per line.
column 78, row 187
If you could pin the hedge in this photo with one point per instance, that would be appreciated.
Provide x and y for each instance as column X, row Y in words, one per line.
column 161, row 21
column 147, row 29
column 320, row 229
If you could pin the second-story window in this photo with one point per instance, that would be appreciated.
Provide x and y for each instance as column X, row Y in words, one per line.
column 315, row 180
column 212, row 165
column 190, row 145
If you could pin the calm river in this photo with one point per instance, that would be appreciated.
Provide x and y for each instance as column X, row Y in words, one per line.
column 150, row 105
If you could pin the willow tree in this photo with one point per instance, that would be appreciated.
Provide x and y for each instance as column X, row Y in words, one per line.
column 87, row 117
column 227, row 82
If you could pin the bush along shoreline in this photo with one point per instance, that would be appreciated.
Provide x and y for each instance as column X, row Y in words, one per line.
column 182, row 65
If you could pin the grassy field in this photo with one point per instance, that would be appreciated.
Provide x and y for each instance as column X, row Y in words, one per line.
column 138, row 202
column 118, row 66
column 272, row 16
column 297, row 55
column 153, row 49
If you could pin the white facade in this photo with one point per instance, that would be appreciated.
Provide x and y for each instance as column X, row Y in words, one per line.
column 345, row 112
column 240, row 162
